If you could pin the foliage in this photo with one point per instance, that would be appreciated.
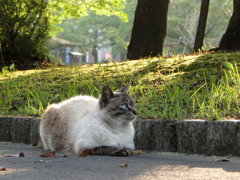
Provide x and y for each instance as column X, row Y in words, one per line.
column 198, row 86
column 27, row 24
column 76, row 9
column 24, row 29
column 89, row 32
column 99, row 31
column 182, row 23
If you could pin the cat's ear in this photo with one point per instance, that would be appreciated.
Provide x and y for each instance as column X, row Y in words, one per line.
column 107, row 94
column 125, row 89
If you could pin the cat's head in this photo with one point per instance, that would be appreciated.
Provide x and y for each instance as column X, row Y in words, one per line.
column 118, row 104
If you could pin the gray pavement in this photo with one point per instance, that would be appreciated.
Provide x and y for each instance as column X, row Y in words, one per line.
column 148, row 165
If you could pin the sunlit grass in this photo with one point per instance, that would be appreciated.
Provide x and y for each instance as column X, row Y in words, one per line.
column 196, row 86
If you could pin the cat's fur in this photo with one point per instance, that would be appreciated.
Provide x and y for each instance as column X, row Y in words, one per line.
column 83, row 122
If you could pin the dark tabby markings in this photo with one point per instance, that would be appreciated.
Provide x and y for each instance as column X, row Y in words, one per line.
column 111, row 151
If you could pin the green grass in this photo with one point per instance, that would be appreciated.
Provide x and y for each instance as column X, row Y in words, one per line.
column 205, row 86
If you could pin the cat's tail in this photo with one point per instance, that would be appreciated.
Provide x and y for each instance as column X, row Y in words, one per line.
column 48, row 120
column 49, row 117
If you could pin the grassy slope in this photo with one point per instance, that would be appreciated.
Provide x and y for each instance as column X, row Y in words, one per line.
column 196, row 86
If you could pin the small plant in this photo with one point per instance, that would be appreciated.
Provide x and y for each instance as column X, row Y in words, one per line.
column 7, row 69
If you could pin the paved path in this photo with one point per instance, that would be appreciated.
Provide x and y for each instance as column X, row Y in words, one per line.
column 145, row 166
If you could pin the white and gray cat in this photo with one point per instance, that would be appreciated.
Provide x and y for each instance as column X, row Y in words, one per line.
column 83, row 122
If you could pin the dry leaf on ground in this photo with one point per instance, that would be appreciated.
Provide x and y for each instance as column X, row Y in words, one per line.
column 124, row 165
column 10, row 155
column 48, row 155
column 3, row 169
column 136, row 152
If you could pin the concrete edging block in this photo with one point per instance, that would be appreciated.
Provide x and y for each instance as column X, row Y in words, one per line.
column 223, row 138
column 155, row 135
column 192, row 136
column 34, row 130
column 188, row 136
column 5, row 129
column 20, row 130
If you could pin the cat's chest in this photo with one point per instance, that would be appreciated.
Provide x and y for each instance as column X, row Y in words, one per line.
column 99, row 134
column 118, row 137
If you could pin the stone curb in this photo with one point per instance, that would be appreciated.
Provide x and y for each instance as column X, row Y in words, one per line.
column 189, row 136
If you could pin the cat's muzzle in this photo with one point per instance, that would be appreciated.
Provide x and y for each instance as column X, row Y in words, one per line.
column 130, row 117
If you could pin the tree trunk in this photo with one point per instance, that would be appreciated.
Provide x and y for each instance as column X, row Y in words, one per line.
column 231, row 38
column 149, row 29
column 201, row 25
column 94, row 51
column 95, row 54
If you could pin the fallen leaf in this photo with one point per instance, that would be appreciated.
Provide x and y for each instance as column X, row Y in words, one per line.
column 43, row 152
column 21, row 154
column 136, row 152
column 229, row 117
column 86, row 152
column 124, row 165
column 3, row 169
column 10, row 155
column 42, row 161
column 35, row 143
column 48, row 155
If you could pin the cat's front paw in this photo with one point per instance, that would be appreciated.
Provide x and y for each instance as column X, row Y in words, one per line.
column 86, row 152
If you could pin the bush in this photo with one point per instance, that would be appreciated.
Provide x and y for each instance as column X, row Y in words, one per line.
column 24, row 31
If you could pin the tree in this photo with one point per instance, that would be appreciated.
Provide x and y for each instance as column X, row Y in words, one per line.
column 26, row 25
column 201, row 25
column 149, row 29
column 231, row 38
column 183, row 17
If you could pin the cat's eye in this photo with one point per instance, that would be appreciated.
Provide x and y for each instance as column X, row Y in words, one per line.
column 123, row 106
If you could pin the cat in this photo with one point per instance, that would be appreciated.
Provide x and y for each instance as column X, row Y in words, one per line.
column 83, row 122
